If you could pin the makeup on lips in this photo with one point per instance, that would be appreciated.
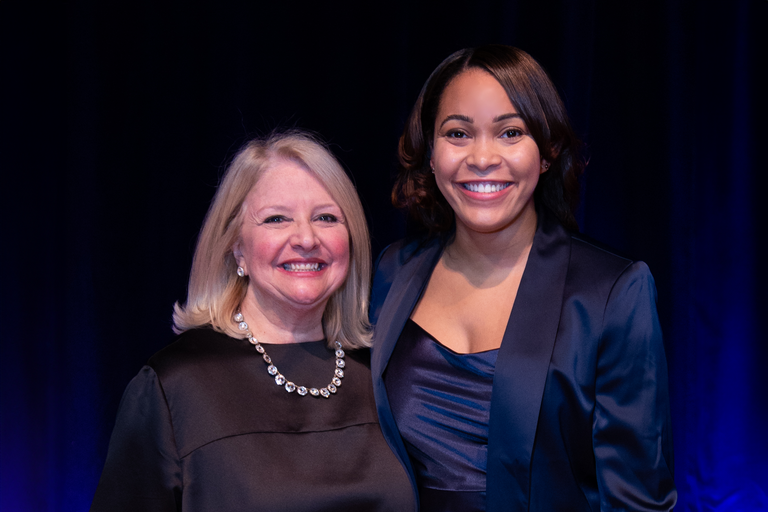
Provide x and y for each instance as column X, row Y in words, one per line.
column 485, row 161
column 303, row 267
column 484, row 189
column 293, row 246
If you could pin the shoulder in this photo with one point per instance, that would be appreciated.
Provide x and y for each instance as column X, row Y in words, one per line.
column 393, row 259
column 619, row 290
column 596, row 274
column 587, row 262
column 601, row 254
column 194, row 351
column 401, row 252
column 595, row 261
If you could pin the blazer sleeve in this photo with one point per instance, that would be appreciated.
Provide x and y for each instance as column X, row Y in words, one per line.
column 143, row 470
column 631, row 431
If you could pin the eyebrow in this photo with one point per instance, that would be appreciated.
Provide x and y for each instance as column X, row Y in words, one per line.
column 281, row 208
column 503, row 117
column 328, row 206
column 467, row 119
column 457, row 117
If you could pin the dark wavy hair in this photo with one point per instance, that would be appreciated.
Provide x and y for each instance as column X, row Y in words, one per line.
column 536, row 100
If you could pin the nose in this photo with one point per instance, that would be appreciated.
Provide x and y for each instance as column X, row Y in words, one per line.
column 304, row 236
column 484, row 154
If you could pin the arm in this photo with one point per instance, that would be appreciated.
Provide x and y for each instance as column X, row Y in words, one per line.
column 143, row 470
column 631, row 431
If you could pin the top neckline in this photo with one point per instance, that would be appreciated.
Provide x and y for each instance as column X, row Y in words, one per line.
column 480, row 353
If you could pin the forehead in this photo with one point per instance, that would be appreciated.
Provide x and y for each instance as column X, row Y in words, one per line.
column 474, row 89
column 290, row 182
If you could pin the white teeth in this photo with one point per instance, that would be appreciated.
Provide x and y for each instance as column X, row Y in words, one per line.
column 301, row 267
column 486, row 188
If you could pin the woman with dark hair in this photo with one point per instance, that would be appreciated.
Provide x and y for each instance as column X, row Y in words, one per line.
column 516, row 364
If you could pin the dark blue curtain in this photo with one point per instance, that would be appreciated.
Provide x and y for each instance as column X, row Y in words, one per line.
column 117, row 121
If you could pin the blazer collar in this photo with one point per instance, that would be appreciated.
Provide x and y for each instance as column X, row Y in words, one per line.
column 523, row 363
column 407, row 287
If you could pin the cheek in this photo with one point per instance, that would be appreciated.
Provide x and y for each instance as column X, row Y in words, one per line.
column 444, row 167
column 532, row 168
column 527, row 159
column 445, row 156
column 444, row 185
column 337, row 243
column 265, row 247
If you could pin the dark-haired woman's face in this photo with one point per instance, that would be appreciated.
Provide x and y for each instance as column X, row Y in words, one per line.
column 485, row 161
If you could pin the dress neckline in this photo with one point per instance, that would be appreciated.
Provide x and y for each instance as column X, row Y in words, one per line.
column 459, row 354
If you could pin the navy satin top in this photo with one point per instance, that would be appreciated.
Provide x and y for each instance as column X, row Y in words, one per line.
column 441, row 402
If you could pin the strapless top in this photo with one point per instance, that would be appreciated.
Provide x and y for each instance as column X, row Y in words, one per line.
column 441, row 402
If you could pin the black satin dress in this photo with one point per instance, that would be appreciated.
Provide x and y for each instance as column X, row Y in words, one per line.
column 441, row 402
column 204, row 427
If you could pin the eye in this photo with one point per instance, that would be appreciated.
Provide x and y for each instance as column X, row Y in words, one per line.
column 456, row 134
column 275, row 219
column 512, row 133
column 327, row 217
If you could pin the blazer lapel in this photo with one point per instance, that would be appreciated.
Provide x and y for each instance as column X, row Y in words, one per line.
column 407, row 286
column 522, row 366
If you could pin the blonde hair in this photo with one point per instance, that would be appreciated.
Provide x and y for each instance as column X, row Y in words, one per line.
column 215, row 290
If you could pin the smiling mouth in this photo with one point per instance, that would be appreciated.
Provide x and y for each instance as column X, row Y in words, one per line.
column 485, row 188
column 302, row 267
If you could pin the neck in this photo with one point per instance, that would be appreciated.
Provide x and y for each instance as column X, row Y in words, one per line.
column 485, row 253
column 281, row 325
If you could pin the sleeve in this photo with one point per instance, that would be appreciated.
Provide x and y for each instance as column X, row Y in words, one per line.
column 142, row 471
column 631, row 430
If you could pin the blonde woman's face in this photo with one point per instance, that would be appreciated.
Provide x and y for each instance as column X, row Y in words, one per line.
column 294, row 243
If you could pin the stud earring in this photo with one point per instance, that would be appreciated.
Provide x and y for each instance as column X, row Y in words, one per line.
column 241, row 271
column 545, row 165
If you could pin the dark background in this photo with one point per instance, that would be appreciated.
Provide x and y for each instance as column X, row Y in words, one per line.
column 119, row 118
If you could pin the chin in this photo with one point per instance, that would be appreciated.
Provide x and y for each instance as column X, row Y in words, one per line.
column 308, row 299
column 493, row 223
column 487, row 225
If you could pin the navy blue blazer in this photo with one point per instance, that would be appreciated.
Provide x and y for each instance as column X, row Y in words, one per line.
column 579, row 414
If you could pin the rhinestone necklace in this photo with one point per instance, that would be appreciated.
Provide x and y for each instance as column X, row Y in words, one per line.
column 280, row 380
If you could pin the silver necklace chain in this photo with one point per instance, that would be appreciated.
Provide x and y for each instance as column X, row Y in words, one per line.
column 280, row 380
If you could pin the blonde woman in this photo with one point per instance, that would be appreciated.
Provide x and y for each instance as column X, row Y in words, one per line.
column 265, row 400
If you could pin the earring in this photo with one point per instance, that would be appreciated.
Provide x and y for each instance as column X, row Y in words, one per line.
column 432, row 166
column 545, row 165
column 241, row 271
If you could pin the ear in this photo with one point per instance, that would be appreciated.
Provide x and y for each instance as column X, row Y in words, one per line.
column 238, row 254
column 544, row 166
